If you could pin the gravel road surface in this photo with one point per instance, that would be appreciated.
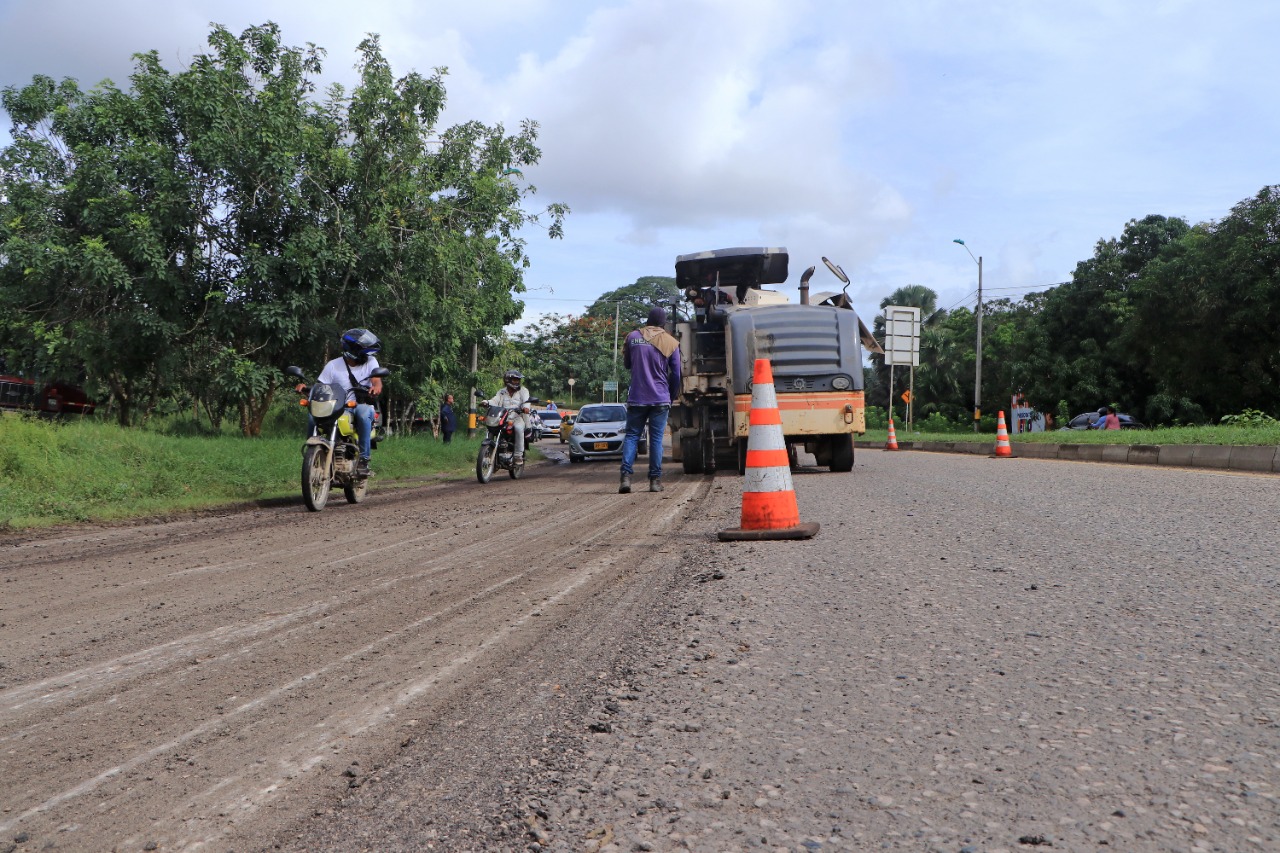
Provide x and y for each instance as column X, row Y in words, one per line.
column 973, row 655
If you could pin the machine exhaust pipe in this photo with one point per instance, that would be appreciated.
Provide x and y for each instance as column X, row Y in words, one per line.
column 804, row 285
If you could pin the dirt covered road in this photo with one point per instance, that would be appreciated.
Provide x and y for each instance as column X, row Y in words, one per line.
column 208, row 683
column 973, row 656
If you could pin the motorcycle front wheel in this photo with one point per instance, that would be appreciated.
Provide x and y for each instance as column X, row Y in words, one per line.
column 356, row 489
column 516, row 471
column 484, row 463
column 316, row 477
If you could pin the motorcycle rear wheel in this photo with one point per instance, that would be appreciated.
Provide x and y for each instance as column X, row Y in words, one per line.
column 484, row 463
column 316, row 477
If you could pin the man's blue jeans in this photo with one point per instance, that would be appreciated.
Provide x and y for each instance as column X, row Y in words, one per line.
column 362, row 420
column 637, row 418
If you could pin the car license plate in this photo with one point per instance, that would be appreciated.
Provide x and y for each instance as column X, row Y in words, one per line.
column 600, row 445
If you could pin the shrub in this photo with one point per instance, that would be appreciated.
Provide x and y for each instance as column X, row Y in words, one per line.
column 1250, row 418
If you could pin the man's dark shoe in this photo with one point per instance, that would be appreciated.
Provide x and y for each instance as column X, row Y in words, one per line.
column 655, row 485
column 362, row 467
column 624, row 485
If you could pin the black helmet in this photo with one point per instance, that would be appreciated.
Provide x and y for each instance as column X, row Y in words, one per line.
column 513, row 378
column 359, row 344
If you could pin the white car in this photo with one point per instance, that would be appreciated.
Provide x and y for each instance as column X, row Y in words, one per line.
column 550, row 422
column 598, row 433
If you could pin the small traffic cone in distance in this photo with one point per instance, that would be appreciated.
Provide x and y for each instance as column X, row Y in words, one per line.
column 892, row 443
column 769, row 509
column 1003, row 448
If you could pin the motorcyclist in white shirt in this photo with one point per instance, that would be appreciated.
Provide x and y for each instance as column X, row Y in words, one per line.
column 514, row 396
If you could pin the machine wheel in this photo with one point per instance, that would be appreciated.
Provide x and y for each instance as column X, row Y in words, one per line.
column 484, row 463
column 691, row 455
column 642, row 449
column 841, row 453
column 516, row 471
column 316, row 476
column 742, row 456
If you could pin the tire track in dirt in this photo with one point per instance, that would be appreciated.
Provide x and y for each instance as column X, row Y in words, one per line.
column 279, row 647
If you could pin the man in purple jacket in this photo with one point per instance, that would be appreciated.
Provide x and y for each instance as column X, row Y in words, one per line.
column 653, row 357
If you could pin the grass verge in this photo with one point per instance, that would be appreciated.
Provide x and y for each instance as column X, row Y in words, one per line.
column 59, row 473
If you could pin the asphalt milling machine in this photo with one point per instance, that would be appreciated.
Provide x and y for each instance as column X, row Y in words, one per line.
column 815, row 348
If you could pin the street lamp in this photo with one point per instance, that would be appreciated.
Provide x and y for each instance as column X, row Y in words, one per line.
column 977, row 380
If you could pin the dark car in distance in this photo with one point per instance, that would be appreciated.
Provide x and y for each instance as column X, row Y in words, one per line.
column 1085, row 421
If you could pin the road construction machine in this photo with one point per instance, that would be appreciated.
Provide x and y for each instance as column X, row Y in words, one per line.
column 814, row 347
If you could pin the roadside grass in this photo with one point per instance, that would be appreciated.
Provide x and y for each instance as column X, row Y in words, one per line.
column 89, row 470
column 1224, row 434
column 85, row 470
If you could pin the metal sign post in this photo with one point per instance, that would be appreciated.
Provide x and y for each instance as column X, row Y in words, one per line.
column 902, row 345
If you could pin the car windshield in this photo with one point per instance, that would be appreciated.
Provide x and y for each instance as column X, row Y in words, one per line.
column 604, row 414
column 549, row 416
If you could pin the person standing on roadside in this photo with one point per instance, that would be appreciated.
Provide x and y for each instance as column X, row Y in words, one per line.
column 652, row 355
column 448, row 420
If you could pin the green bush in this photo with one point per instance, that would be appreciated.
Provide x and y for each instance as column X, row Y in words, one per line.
column 1251, row 419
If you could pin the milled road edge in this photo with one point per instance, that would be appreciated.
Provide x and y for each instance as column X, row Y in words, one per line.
column 1263, row 458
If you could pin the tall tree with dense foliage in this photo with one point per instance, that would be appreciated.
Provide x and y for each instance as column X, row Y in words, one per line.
column 562, row 347
column 207, row 227
column 1079, row 347
column 632, row 302
column 1209, row 314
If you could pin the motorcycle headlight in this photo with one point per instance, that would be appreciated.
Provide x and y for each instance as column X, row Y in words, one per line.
column 323, row 408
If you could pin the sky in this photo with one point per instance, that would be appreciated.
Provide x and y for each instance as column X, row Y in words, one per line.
column 872, row 133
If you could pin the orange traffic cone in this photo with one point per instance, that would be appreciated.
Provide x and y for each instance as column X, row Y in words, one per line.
column 1003, row 450
column 769, row 509
column 892, row 443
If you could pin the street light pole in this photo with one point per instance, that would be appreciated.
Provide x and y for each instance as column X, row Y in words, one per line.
column 977, row 361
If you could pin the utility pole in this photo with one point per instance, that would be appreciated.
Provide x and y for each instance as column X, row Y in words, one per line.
column 617, row 322
column 977, row 361
column 471, row 412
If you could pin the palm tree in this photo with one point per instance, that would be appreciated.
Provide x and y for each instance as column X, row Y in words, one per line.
column 912, row 296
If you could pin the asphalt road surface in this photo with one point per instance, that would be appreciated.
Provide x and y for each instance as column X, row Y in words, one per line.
column 972, row 655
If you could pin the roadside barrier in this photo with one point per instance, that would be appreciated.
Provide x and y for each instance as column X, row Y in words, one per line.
column 892, row 443
column 769, row 509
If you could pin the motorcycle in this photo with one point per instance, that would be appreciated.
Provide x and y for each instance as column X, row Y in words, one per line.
column 329, row 457
column 499, row 445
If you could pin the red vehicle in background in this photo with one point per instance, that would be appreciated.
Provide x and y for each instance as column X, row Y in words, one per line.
column 61, row 398
column 55, row 398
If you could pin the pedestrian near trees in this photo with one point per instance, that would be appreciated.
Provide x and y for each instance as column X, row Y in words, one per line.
column 448, row 420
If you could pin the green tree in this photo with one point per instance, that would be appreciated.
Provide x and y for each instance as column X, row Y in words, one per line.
column 935, row 390
column 632, row 302
column 558, row 348
column 1081, row 345
column 210, row 226
column 1209, row 310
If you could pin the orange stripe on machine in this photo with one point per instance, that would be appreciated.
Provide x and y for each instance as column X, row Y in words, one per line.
column 742, row 402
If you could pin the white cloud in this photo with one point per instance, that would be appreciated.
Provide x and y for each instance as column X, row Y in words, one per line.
column 871, row 133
